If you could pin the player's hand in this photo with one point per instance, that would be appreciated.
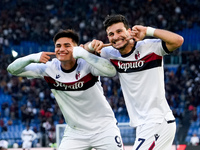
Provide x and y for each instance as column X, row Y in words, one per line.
column 138, row 32
column 45, row 56
column 81, row 45
column 97, row 45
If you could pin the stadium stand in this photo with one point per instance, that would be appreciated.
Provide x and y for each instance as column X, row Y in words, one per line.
column 27, row 30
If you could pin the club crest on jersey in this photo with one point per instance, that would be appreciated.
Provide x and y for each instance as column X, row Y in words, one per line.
column 137, row 55
column 77, row 75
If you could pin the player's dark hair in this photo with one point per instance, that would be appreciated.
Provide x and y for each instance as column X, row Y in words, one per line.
column 112, row 19
column 67, row 33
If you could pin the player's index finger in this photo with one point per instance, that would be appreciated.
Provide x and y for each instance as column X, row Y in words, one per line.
column 50, row 53
column 108, row 44
column 129, row 38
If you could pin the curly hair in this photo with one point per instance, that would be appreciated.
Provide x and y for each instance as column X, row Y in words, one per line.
column 112, row 19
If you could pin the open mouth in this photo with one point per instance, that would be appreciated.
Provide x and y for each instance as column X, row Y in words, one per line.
column 62, row 54
column 118, row 42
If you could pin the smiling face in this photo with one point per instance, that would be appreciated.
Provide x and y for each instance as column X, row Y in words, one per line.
column 118, row 36
column 64, row 49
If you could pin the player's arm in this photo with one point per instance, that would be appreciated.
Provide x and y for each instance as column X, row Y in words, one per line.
column 172, row 40
column 24, row 66
column 22, row 135
column 102, row 65
column 34, row 136
column 95, row 46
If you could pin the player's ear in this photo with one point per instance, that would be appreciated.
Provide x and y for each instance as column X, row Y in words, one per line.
column 129, row 30
column 75, row 44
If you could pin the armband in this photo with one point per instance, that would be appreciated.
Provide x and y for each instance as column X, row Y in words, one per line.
column 150, row 31
column 90, row 46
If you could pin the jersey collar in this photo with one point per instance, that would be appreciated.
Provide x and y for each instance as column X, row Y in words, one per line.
column 128, row 54
column 70, row 70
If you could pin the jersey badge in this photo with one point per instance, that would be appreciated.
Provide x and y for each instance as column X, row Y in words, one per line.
column 137, row 55
column 77, row 75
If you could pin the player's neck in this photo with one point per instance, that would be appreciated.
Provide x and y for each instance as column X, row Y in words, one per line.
column 128, row 48
column 69, row 64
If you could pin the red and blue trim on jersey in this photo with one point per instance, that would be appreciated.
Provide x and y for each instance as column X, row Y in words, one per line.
column 84, row 83
column 150, row 61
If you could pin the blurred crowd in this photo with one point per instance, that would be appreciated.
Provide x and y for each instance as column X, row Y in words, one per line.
column 38, row 21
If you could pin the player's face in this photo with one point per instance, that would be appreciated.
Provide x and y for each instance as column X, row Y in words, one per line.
column 64, row 49
column 118, row 35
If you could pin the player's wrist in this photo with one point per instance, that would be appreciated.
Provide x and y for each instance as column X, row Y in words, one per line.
column 150, row 31
column 35, row 57
column 79, row 52
column 90, row 46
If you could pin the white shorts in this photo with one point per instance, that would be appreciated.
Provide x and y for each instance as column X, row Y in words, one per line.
column 107, row 140
column 155, row 136
column 27, row 144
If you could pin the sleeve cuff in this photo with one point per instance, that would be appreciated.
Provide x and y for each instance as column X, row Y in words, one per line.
column 165, row 47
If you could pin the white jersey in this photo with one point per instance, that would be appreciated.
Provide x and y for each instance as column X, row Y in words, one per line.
column 4, row 144
column 78, row 93
column 28, row 135
column 141, row 76
column 194, row 140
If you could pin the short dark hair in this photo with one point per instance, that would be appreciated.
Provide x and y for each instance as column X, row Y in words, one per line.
column 112, row 19
column 67, row 33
